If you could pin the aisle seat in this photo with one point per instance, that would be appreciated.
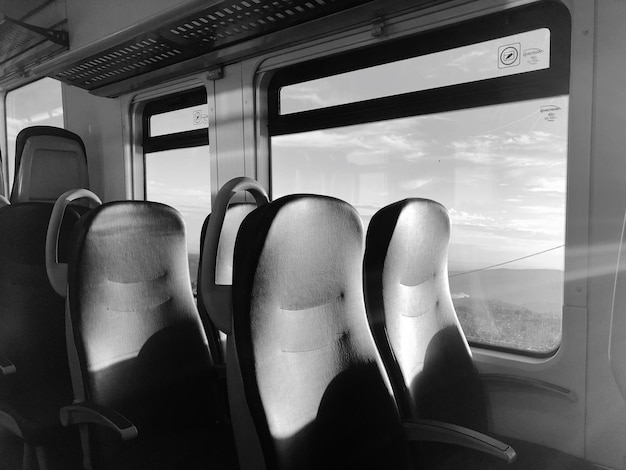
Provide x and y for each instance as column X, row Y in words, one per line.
column 48, row 161
column 144, row 384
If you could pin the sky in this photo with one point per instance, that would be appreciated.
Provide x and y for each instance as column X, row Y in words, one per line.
column 499, row 170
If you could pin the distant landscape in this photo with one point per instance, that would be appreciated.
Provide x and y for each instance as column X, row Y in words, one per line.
column 511, row 308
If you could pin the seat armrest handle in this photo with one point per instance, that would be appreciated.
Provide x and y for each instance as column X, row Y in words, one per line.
column 89, row 412
column 6, row 366
column 438, row 431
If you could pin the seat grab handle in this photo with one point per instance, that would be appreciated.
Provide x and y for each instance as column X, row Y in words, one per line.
column 57, row 272
column 217, row 298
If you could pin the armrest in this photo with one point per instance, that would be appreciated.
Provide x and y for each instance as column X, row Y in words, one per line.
column 88, row 412
column 6, row 366
column 438, row 431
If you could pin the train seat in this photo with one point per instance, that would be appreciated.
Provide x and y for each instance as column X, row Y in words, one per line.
column 215, row 274
column 223, row 273
column 144, row 385
column 217, row 244
column 35, row 380
column 312, row 378
column 421, row 342
column 48, row 161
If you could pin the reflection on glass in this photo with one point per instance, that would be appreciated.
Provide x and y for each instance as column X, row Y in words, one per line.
column 37, row 104
column 181, row 178
column 511, row 55
column 180, row 120
column 500, row 171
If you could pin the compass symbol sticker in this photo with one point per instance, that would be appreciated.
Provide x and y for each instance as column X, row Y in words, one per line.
column 509, row 55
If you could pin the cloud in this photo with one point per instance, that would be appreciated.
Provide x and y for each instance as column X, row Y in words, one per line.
column 513, row 150
column 543, row 185
column 415, row 184
column 465, row 218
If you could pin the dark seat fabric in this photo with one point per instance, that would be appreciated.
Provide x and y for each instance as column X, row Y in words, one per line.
column 421, row 341
column 224, row 268
column 138, row 343
column 32, row 332
column 312, row 377
column 48, row 161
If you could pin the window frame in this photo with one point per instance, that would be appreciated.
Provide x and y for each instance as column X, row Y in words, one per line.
column 537, row 84
column 7, row 177
column 545, row 83
column 176, row 140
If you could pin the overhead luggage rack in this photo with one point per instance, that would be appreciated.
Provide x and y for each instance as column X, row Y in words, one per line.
column 23, row 44
column 189, row 36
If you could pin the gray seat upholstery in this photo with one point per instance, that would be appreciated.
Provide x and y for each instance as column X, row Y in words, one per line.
column 414, row 322
column 48, row 162
column 140, row 362
column 416, row 329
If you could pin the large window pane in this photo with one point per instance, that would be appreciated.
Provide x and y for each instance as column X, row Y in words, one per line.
column 36, row 104
column 181, row 179
column 500, row 171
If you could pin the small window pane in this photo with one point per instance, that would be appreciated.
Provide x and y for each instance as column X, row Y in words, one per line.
column 181, row 179
column 501, row 173
column 37, row 104
column 524, row 52
column 181, row 120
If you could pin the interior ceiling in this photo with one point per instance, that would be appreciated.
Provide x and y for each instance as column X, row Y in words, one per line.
column 22, row 48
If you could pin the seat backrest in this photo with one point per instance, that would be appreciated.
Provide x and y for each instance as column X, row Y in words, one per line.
column 136, row 341
column 215, row 271
column 223, row 269
column 48, row 162
column 413, row 318
column 32, row 325
column 312, row 377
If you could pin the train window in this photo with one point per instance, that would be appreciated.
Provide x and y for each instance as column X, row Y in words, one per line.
column 36, row 104
column 176, row 161
column 487, row 59
column 491, row 147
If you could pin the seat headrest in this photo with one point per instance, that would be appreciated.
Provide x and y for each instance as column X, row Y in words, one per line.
column 408, row 241
column 48, row 162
